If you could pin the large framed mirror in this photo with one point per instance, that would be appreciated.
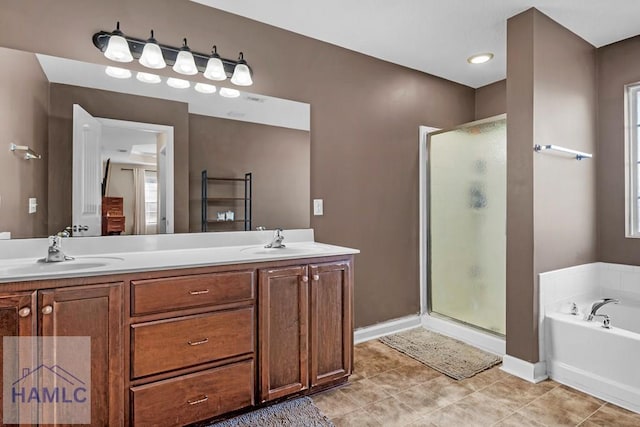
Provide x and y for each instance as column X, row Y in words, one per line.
column 139, row 123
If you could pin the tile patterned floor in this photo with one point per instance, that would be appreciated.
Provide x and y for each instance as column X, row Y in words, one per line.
column 391, row 389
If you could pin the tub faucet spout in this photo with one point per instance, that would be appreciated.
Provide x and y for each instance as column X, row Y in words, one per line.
column 599, row 304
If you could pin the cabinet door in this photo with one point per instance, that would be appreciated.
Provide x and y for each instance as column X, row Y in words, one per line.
column 96, row 312
column 331, row 330
column 283, row 331
column 17, row 319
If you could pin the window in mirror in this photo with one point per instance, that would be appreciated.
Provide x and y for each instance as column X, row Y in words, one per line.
column 151, row 198
column 633, row 160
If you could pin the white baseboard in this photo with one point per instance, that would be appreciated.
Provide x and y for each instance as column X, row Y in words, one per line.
column 595, row 385
column 475, row 338
column 385, row 328
column 532, row 372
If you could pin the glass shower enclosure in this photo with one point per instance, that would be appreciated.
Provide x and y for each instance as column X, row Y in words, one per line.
column 466, row 220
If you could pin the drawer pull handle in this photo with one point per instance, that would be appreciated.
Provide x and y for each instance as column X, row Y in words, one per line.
column 305, row 279
column 24, row 312
column 47, row 309
column 204, row 291
column 201, row 400
column 204, row 341
column 316, row 277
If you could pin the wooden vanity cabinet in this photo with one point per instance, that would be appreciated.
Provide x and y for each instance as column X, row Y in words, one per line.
column 192, row 341
column 306, row 327
column 283, row 331
column 171, row 348
column 94, row 311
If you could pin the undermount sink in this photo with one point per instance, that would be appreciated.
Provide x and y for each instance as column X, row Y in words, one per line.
column 40, row 267
column 287, row 250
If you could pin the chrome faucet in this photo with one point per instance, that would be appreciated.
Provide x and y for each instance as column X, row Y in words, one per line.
column 55, row 254
column 597, row 305
column 278, row 237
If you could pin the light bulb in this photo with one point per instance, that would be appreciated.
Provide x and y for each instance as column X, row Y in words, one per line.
column 185, row 64
column 117, row 47
column 241, row 74
column 152, row 54
column 117, row 72
column 148, row 78
column 205, row 88
column 229, row 93
column 480, row 59
column 178, row 83
column 215, row 67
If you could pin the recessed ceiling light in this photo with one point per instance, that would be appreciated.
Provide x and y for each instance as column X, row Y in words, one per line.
column 480, row 58
column 178, row 83
column 205, row 88
column 148, row 78
column 117, row 72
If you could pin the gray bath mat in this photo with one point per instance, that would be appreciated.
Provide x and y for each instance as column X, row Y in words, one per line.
column 292, row 413
column 451, row 357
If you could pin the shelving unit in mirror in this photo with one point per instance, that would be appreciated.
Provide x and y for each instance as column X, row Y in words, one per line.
column 226, row 200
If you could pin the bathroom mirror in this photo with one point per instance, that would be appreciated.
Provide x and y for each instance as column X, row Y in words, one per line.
column 228, row 138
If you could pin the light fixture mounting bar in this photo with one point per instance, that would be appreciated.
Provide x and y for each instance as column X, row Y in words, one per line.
column 170, row 53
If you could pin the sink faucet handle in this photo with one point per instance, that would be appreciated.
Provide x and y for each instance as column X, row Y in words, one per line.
column 55, row 241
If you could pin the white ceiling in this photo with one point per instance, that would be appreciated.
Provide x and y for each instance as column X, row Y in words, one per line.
column 436, row 36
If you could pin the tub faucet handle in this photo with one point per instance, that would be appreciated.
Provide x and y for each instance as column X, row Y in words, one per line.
column 574, row 309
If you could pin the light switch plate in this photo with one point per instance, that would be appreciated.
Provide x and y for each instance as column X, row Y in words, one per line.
column 318, row 209
column 33, row 205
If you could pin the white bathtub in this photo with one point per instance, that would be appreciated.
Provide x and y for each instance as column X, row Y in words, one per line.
column 602, row 362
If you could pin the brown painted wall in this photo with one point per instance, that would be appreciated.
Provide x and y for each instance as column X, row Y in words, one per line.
column 111, row 105
column 521, row 292
column 551, row 99
column 618, row 65
column 23, row 121
column 365, row 115
column 491, row 100
column 278, row 159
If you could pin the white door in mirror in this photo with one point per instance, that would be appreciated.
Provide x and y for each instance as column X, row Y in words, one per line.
column 87, row 173
column 318, row 208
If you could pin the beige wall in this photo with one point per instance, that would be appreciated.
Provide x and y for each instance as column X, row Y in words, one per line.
column 491, row 100
column 111, row 105
column 23, row 121
column 278, row 159
column 618, row 65
column 551, row 99
column 365, row 115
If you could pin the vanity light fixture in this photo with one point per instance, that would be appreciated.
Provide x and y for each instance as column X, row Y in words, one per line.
column 117, row 47
column 185, row 64
column 122, row 48
column 480, row 58
column 242, row 73
column 178, row 83
column 229, row 93
column 215, row 67
column 205, row 88
column 118, row 73
column 152, row 54
column 148, row 78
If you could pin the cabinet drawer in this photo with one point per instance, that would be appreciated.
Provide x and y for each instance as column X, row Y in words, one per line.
column 173, row 293
column 194, row 397
column 166, row 345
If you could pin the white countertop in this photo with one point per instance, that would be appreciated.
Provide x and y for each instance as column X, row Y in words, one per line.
column 209, row 250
